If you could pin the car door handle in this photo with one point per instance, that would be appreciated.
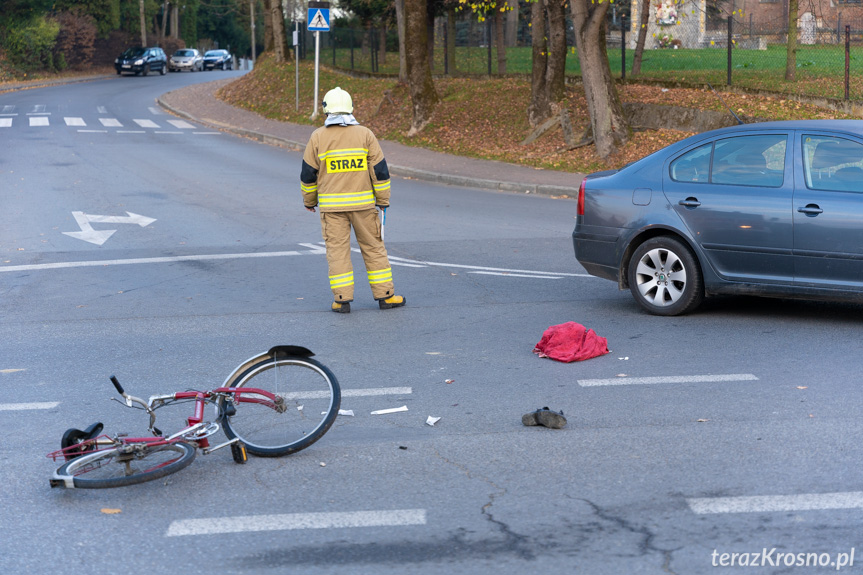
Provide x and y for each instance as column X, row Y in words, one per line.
column 810, row 210
column 689, row 203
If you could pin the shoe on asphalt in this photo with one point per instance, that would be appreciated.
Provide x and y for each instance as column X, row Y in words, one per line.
column 391, row 302
column 544, row 417
column 342, row 307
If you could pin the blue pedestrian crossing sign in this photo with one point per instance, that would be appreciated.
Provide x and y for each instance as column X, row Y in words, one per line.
column 319, row 20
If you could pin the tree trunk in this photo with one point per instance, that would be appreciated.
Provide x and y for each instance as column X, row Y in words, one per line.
column 162, row 30
column 644, row 20
column 423, row 95
column 511, row 23
column 143, row 23
column 268, row 25
column 277, row 21
column 430, row 33
column 499, row 42
column 400, row 23
column 791, row 45
column 539, row 108
column 555, row 81
column 610, row 129
column 382, row 43
column 450, row 41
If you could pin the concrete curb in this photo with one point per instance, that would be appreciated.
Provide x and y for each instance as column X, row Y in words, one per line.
column 560, row 192
column 49, row 83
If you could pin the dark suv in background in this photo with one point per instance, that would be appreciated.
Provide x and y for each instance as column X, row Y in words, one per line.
column 142, row 61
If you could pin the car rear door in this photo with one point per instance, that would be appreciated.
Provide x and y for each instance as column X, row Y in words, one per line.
column 734, row 193
column 828, row 211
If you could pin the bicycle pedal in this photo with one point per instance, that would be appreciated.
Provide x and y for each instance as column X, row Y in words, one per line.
column 238, row 451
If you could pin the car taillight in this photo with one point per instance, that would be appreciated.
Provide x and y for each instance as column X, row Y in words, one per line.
column 580, row 207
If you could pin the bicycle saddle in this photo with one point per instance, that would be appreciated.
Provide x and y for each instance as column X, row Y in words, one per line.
column 74, row 436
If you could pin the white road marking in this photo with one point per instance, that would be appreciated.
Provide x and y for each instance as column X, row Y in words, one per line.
column 38, row 109
column 111, row 122
column 668, row 379
column 181, row 124
column 93, row 131
column 333, row 520
column 75, row 121
column 5, row 122
column 777, row 503
column 161, row 260
column 38, row 121
column 483, row 268
column 131, row 132
column 9, row 111
column 25, row 406
column 167, row 132
column 102, row 109
column 371, row 391
column 156, row 111
column 207, row 133
column 512, row 275
column 146, row 123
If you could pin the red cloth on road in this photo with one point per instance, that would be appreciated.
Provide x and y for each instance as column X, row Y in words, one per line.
column 570, row 341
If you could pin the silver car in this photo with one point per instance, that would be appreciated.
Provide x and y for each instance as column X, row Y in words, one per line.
column 186, row 59
column 768, row 209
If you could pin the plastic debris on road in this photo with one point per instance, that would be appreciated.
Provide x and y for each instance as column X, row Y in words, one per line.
column 432, row 420
column 391, row 410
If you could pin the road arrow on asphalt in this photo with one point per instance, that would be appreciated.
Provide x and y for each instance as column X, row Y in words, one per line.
column 88, row 234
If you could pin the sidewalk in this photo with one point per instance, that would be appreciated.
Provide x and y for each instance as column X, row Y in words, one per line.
column 198, row 103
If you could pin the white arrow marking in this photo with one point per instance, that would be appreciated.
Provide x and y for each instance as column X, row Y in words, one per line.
column 88, row 234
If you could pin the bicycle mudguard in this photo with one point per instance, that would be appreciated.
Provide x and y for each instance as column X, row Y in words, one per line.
column 294, row 350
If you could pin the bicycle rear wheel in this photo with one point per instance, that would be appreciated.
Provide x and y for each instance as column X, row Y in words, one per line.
column 121, row 466
column 311, row 398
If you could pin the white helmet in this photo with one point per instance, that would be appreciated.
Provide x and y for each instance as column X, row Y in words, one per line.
column 337, row 101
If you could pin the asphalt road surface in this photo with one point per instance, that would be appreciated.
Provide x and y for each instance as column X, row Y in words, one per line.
column 735, row 430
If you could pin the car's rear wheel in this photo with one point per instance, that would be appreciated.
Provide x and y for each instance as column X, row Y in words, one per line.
column 665, row 278
column 163, row 70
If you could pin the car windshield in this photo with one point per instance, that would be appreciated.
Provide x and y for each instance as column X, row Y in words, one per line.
column 213, row 53
column 133, row 52
column 184, row 53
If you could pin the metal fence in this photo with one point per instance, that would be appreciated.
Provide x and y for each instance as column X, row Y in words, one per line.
column 684, row 43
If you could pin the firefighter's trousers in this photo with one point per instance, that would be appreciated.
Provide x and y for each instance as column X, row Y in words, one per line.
column 336, row 230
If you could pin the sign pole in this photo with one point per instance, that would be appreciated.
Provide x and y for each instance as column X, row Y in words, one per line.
column 297, row 63
column 319, row 21
column 317, row 62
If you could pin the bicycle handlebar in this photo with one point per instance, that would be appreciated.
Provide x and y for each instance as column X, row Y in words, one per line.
column 117, row 385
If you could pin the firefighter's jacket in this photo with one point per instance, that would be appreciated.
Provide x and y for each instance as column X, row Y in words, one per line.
column 344, row 170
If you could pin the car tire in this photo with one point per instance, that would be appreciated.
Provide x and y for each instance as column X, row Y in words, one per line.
column 665, row 278
column 146, row 71
column 163, row 71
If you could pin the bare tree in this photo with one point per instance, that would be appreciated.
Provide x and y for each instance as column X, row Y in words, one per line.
column 400, row 24
column 607, row 119
column 643, row 20
column 548, row 33
column 424, row 97
column 277, row 22
column 791, row 45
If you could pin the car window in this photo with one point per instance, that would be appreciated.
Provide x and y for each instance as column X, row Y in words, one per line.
column 833, row 164
column 184, row 53
column 749, row 161
column 212, row 53
column 693, row 166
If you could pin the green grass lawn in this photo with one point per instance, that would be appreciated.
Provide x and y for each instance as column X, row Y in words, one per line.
column 820, row 70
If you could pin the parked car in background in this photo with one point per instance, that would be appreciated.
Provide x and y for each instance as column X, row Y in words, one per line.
column 768, row 209
column 141, row 61
column 220, row 59
column 186, row 59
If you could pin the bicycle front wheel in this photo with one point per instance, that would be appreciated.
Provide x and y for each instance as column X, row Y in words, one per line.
column 310, row 399
column 126, row 465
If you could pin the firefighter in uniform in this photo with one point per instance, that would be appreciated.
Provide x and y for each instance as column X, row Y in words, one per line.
column 345, row 174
